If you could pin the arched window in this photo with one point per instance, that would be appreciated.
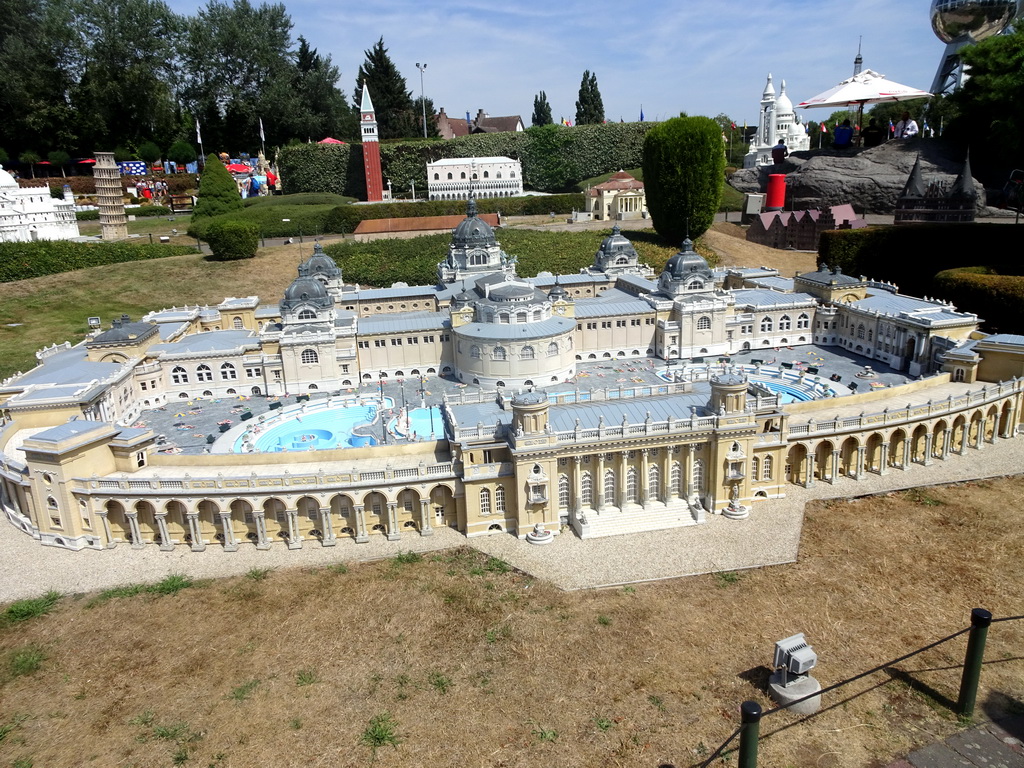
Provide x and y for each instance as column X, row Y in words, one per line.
column 474, row 351
column 237, row 323
column 309, row 356
column 766, row 473
column 704, row 324
column 766, row 325
column 179, row 375
column 537, row 315
column 609, row 486
column 553, row 349
column 563, row 491
column 512, row 174
column 631, row 486
column 228, row 372
column 499, row 500
column 485, row 501
column 449, row 177
column 958, row 375
column 504, row 318
column 785, row 323
column 695, row 285
column 803, row 321
column 499, row 353
column 521, row 317
column 527, row 353
column 754, row 471
column 486, row 174
column 497, row 175
column 698, row 475
column 587, row 490
column 653, row 479
column 675, row 478
column 462, row 175
column 437, row 177
column 860, row 331
column 307, row 314
column 203, row 373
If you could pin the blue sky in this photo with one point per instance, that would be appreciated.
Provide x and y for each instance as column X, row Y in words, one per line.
column 699, row 56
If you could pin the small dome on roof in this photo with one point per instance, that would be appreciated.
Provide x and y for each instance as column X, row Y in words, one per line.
column 686, row 261
column 557, row 292
column 306, row 290
column 782, row 104
column 6, row 180
column 319, row 264
column 509, row 291
column 472, row 231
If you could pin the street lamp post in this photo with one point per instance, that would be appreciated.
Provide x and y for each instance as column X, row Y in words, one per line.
column 412, row 183
column 423, row 100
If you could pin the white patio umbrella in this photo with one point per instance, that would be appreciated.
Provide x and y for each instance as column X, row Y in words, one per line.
column 867, row 87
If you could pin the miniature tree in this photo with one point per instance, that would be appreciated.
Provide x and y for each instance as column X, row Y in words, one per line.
column 218, row 192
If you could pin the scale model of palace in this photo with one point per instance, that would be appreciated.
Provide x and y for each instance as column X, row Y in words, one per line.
column 524, row 443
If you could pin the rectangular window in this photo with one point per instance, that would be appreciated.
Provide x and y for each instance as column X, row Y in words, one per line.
column 396, row 342
column 446, row 337
column 364, row 345
column 413, row 340
column 378, row 342
column 344, row 368
column 143, row 385
column 277, row 374
column 606, row 323
column 620, row 323
column 635, row 322
column 252, row 373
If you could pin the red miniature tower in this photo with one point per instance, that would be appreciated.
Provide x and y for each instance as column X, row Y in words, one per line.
column 371, row 149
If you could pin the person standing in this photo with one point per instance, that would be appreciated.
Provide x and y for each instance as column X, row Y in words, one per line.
column 873, row 135
column 906, row 128
column 779, row 152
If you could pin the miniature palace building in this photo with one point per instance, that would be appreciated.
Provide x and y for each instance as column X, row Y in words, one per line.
column 518, row 440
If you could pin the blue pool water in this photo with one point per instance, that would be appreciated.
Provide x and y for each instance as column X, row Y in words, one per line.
column 420, row 423
column 786, row 393
column 316, row 430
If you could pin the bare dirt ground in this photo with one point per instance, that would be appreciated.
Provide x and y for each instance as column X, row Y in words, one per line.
column 476, row 666
column 729, row 242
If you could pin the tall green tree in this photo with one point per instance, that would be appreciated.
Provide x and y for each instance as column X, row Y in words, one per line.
column 322, row 108
column 684, row 172
column 418, row 106
column 541, row 110
column 392, row 100
column 589, row 105
column 991, row 107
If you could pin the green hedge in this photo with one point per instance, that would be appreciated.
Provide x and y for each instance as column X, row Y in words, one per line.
column 344, row 219
column 554, row 158
column 143, row 212
column 997, row 299
column 309, row 198
column 269, row 220
column 414, row 261
column 20, row 261
column 232, row 240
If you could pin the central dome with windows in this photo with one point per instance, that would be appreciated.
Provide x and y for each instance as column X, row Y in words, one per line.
column 473, row 232
column 306, row 291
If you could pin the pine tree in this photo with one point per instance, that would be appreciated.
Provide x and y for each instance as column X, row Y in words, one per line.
column 541, row 110
column 218, row 192
column 589, row 106
column 395, row 110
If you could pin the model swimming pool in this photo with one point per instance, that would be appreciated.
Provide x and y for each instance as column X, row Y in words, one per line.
column 314, row 429
column 420, row 424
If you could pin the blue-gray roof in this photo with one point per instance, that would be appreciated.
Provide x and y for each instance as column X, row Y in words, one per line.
column 760, row 298
column 1006, row 338
column 773, row 283
column 404, row 322
column 897, row 305
column 169, row 329
column 640, row 284
column 563, row 417
column 602, row 308
column 65, row 367
column 211, row 341
column 488, row 413
column 69, row 430
column 383, row 294
column 516, row 331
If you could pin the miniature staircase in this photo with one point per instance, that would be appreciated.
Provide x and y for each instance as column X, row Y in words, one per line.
column 634, row 518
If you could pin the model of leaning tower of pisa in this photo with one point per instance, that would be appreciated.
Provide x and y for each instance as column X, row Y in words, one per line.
column 113, row 222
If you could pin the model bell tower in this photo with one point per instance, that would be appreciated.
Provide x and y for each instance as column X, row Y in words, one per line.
column 371, row 148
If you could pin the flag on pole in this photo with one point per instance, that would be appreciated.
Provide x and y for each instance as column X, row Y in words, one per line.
column 199, row 138
column 262, row 137
column 892, row 128
column 734, row 126
column 824, row 128
column 924, row 128
column 641, row 113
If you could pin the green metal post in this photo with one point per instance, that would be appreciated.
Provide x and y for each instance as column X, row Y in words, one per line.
column 750, row 731
column 980, row 620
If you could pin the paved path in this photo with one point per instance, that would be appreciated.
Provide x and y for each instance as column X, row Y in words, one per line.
column 991, row 745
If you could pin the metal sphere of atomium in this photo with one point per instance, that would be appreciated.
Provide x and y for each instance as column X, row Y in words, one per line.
column 972, row 20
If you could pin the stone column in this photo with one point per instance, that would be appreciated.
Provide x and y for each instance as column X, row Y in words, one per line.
column 261, row 529
column 425, row 527
column 106, row 530
column 859, row 470
column 196, row 530
column 668, row 491
column 623, row 469
column 361, row 535
column 294, row 539
column 834, row 474
column 927, row 458
column 230, row 544
column 883, row 459
column 809, row 469
column 947, row 439
column 577, row 485
column 981, row 433
column 963, row 437
column 393, row 533
column 599, row 483
column 329, row 539
column 688, row 470
column 133, row 524
column 166, row 545
column 645, row 474
column 907, row 446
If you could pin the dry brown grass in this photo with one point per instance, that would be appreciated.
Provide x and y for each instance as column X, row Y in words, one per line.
column 481, row 667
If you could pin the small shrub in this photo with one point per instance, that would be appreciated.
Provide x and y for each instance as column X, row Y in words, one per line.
column 657, row 702
column 171, row 732
column 218, row 192
column 603, row 724
column 726, row 578
column 545, row 734
column 31, row 608
column 295, row 723
column 232, row 240
column 381, row 732
column 306, row 677
column 603, row 620
column 407, row 558
column 440, row 683
column 171, row 584
column 26, row 660
column 146, row 718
